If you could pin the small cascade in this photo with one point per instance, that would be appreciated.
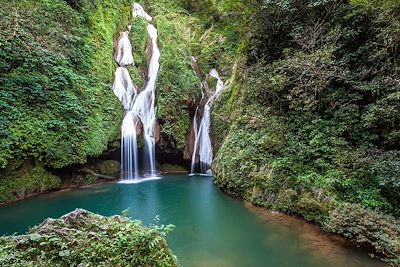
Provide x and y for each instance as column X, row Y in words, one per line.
column 123, row 54
column 139, row 105
column 202, row 146
column 124, row 88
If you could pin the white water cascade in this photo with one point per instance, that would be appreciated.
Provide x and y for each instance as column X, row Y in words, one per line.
column 139, row 105
column 202, row 145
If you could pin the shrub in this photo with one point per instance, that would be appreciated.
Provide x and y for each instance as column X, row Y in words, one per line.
column 367, row 227
column 81, row 238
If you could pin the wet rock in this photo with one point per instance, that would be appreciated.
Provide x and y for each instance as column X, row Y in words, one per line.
column 190, row 139
column 172, row 168
column 157, row 132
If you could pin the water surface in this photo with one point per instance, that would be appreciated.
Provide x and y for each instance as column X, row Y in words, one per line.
column 212, row 229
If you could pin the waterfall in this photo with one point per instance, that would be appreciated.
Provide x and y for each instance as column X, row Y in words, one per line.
column 144, row 106
column 123, row 55
column 139, row 106
column 202, row 145
column 129, row 153
column 124, row 88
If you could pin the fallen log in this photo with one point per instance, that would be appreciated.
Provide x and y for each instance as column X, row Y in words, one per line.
column 102, row 176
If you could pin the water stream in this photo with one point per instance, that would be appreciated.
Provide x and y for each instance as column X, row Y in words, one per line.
column 139, row 106
column 202, row 149
column 212, row 229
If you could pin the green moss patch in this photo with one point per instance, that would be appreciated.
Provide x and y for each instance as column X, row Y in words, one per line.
column 81, row 238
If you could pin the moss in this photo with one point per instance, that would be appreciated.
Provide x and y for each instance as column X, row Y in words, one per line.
column 178, row 86
column 28, row 179
column 171, row 168
column 75, row 113
column 87, row 239
column 139, row 38
column 109, row 167
column 90, row 179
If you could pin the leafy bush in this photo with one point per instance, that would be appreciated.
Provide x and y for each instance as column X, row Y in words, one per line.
column 367, row 227
column 86, row 239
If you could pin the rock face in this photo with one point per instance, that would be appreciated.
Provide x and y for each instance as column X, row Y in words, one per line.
column 82, row 238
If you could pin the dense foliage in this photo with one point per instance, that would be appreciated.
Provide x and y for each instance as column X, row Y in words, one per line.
column 367, row 227
column 81, row 238
column 310, row 120
column 56, row 69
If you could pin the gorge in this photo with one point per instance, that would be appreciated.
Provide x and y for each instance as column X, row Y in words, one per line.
column 290, row 106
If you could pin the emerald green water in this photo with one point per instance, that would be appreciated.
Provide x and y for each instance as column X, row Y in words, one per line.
column 212, row 229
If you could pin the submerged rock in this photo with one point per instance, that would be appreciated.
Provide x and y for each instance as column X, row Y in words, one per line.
column 82, row 238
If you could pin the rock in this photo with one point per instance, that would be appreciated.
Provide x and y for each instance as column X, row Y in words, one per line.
column 171, row 168
column 190, row 139
column 109, row 167
column 157, row 132
column 79, row 239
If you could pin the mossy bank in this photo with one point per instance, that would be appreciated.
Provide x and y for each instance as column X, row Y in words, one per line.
column 307, row 124
column 56, row 69
column 81, row 238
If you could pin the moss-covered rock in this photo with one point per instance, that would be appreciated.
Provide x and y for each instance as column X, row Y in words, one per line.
column 81, row 238
column 109, row 167
column 28, row 179
column 172, row 168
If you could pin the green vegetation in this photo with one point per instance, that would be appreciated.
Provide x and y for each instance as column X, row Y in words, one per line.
column 177, row 85
column 109, row 167
column 308, row 124
column 366, row 226
column 56, row 69
column 138, row 37
column 28, row 180
column 81, row 238
column 186, row 29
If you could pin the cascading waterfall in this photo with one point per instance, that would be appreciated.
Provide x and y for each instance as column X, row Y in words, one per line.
column 144, row 106
column 202, row 144
column 139, row 106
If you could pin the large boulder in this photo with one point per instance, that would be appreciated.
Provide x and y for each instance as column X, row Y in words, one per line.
column 109, row 167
